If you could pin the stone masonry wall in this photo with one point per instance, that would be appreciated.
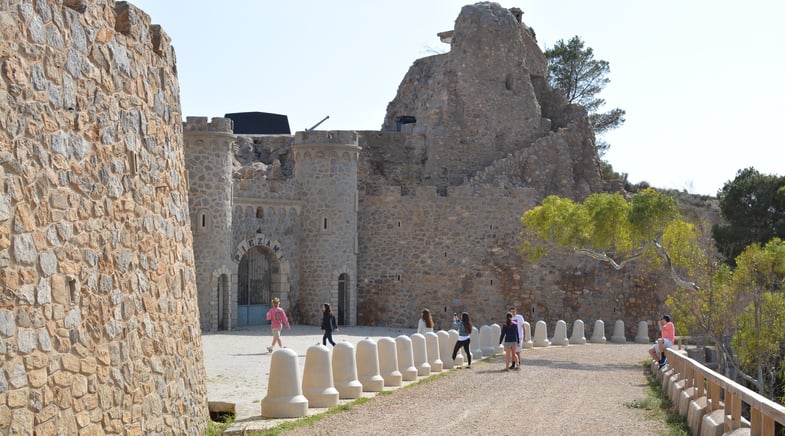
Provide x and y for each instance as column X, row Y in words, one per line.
column 326, row 169
column 208, row 154
column 459, row 252
column 99, row 329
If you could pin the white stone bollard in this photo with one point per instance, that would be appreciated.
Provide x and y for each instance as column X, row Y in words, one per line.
column 618, row 333
column 560, row 334
column 403, row 345
column 318, row 385
column 445, row 351
column 345, row 371
column 598, row 335
column 475, row 344
column 643, row 333
column 487, row 341
column 578, row 337
column 541, row 334
column 459, row 359
column 420, row 355
column 388, row 362
column 432, row 348
column 368, row 366
column 497, row 331
column 284, row 397
column 528, row 344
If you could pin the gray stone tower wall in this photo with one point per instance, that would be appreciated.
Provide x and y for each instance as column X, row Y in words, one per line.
column 326, row 169
column 208, row 155
column 99, row 328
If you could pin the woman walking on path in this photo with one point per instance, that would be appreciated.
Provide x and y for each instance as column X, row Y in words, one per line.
column 328, row 325
column 464, row 327
column 510, row 338
column 425, row 324
column 277, row 318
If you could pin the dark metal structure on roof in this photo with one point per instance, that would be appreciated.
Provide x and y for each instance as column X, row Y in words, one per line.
column 259, row 123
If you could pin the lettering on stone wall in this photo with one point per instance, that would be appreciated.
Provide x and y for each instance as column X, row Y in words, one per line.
column 259, row 241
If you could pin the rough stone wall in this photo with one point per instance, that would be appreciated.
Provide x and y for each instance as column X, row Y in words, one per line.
column 480, row 102
column 99, row 324
column 326, row 169
column 459, row 252
column 209, row 157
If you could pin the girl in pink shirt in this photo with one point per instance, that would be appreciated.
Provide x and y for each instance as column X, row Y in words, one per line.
column 277, row 318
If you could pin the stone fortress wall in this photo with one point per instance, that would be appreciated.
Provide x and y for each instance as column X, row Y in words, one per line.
column 429, row 210
column 98, row 332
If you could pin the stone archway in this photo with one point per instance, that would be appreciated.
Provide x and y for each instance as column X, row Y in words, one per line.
column 262, row 274
column 220, row 307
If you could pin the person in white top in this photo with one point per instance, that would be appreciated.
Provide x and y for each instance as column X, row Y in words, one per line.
column 517, row 318
column 426, row 322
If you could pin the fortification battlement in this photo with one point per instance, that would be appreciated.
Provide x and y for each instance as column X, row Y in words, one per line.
column 428, row 192
column 135, row 24
column 200, row 124
column 324, row 137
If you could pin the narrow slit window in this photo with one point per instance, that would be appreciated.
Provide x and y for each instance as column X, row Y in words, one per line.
column 324, row 224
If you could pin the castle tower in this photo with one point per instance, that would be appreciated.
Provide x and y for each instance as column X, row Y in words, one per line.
column 99, row 328
column 326, row 169
column 208, row 158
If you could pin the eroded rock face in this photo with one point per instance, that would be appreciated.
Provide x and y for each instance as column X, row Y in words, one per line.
column 487, row 100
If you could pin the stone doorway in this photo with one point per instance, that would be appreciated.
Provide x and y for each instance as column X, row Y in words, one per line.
column 343, row 298
column 254, row 285
column 222, row 294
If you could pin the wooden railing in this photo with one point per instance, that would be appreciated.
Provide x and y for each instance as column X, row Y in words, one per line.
column 764, row 413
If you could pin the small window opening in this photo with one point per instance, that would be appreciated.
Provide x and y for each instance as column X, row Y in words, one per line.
column 203, row 220
column 399, row 224
column 491, row 282
column 398, row 277
column 324, row 224
column 260, row 212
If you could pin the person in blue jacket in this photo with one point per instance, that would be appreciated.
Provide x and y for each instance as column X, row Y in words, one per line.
column 510, row 339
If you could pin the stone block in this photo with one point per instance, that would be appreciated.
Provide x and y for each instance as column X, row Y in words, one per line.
column 388, row 362
column 318, row 385
column 541, row 334
column 432, row 348
column 578, row 337
column 713, row 423
column 618, row 333
column 403, row 346
column 345, row 371
column 695, row 412
column 643, row 333
column 453, row 339
column 445, row 351
column 420, row 350
column 368, row 366
column 528, row 344
column 598, row 334
column 560, row 334
column 284, row 397
column 475, row 344
column 487, row 341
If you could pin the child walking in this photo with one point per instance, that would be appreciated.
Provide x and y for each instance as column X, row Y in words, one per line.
column 277, row 318
column 510, row 339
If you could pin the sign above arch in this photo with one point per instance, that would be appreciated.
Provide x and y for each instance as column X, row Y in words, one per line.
column 257, row 241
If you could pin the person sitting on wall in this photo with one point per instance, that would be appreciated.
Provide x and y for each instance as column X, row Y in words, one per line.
column 668, row 337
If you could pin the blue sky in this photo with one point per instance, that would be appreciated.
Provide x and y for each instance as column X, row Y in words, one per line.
column 701, row 81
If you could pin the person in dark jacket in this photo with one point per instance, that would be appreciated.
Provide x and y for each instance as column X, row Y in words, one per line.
column 464, row 327
column 328, row 325
column 510, row 339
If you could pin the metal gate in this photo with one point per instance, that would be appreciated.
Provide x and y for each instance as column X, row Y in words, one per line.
column 253, row 287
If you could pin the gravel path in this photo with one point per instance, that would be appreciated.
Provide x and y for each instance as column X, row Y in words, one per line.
column 560, row 391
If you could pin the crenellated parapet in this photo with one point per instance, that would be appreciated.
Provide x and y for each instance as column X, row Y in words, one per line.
column 326, row 144
column 200, row 124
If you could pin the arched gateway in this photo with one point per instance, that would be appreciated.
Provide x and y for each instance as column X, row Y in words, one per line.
column 262, row 275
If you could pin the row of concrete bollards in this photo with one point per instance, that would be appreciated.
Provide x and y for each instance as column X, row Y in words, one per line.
column 346, row 372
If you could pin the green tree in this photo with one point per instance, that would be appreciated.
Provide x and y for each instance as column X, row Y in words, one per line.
column 754, row 206
column 647, row 228
column 573, row 70
column 759, row 339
